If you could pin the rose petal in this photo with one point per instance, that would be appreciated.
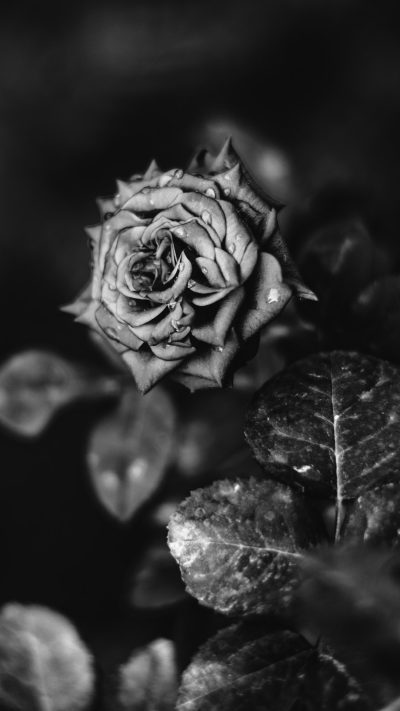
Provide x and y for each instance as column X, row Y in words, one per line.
column 147, row 369
column 207, row 209
column 277, row 247
column 249, row 261
column 228, row 266
column 270, row 295
column 212, row 272
column 194, row 382
column 151, row 199
column 226, row 158
column 81, row 302
column 116, row 330
column 212, row 363
column 194, row 235
column 105, row 205
column 216, row 331
column 177, row 288
column 93, row 232
column 212, row 298
column 189, row 182
column 126, row 242
column 201, row 162
column 173, row 351
column 135, row 317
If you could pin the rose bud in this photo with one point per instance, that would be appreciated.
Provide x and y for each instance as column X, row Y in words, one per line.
column 187, row 266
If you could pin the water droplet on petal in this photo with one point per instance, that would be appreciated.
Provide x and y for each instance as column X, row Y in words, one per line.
column 227, row 192
column 164, row 180
column 191, row 283
column 171, row 305
column 117, row 199
column 204, row 270
column 219, row 349
column 211, row 192
column 179, row 173
column 227, row 176
column 206, row 217
column 231, row 248
column 132, row 303
column 179, row 231
column 181, row 266
column 273, row 296
column 112, row 287
column 137, row 469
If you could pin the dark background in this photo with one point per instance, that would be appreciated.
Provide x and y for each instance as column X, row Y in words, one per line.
column 90, row 91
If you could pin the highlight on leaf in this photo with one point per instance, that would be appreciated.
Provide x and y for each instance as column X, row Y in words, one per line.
column 130, row 450
column 239, row 542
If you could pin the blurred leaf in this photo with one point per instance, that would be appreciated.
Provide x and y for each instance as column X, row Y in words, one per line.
column 332, row 420
column 337, row 261
column 149, row 680
column 130, row 451
column 374, row 517
column 211, row 433
column 44, row 666
column 376, row 312
column 248, row 667
column 238, row 544
column 351, row 595
column 156, row 581
column 34, row 385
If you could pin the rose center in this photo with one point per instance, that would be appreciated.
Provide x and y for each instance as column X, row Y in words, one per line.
column 153, row 266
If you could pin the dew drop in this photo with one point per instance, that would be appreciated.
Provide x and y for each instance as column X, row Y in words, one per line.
column 137, row 469
column 211, row 192
column 179, row 231
column 164, row 180
column 219, row 349
column 132, row 303
column 191, row 283
column 171, row 305
column 273, row 296
column 231, row 248
column 227, row 176
column 204, row 270
column 181, row 266
column 117, row 199
column 227, row 192
column 206, row 217
column 179, row 173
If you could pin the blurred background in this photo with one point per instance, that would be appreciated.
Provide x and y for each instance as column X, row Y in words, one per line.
column 93, row 90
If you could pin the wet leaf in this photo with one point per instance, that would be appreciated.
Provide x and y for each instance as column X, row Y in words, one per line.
column 331, row 425
column 149, row 680
column 248, row 667
column 34, row 385
column 238, row 544
column 44, row 666
column 130, row 450
column 156, row 581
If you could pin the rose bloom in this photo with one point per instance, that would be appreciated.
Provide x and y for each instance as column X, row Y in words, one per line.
column 187, row 266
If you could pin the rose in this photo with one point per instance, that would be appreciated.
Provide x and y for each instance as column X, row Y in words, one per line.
column 187, row 267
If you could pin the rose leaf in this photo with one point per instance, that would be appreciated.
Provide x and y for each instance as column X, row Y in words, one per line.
column 149, row 679
column 130, row 450
column 333, row 421
column 238, row 543
column 44, row 665
column 246, row 666
column 34, row 385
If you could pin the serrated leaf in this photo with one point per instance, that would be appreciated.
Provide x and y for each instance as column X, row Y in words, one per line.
column 238, row 544
column 246, row 667
column 149, row 680
column 333, row 421
column 44, row 666
column 130, row 450
column 34, row 385
column 156, row 581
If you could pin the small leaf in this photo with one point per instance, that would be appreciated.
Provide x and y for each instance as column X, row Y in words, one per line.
column 34, row 385
column 149, row 680
column 333, row 421
column 130, row 451
column 248, row 667
column 238, row 544
column 156, row 581
column 44, row 666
